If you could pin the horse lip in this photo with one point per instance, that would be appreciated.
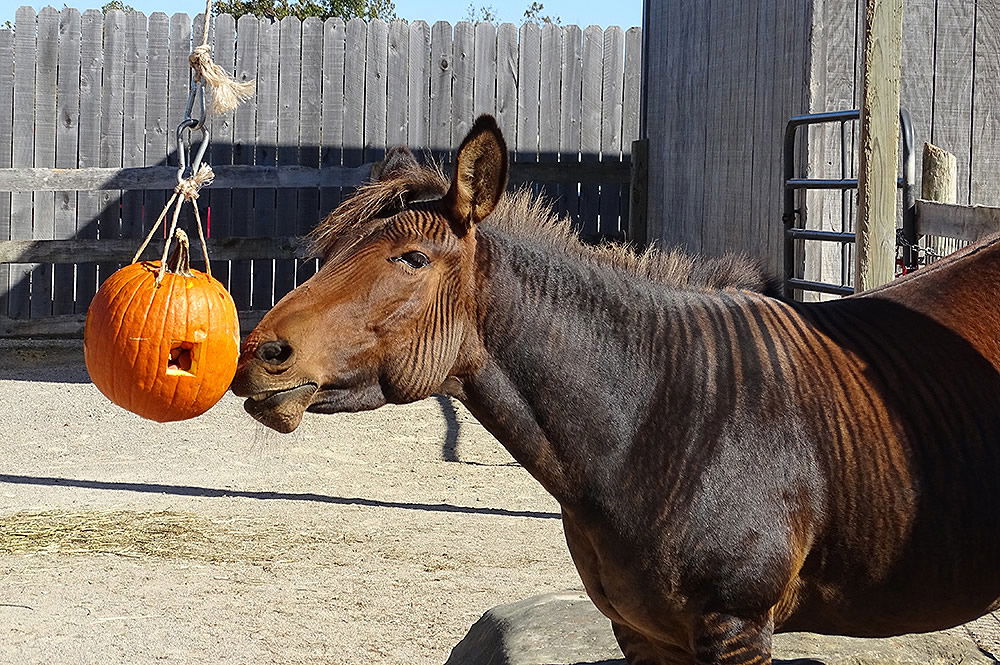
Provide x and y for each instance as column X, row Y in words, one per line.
column 281, row 409
column 266, row 398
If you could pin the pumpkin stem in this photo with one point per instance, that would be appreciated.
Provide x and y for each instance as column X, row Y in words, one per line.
column 180, row 258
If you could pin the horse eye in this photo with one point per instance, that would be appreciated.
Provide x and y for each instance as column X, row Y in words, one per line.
column 414, row 259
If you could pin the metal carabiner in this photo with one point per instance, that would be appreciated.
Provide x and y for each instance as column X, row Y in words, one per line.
column 184, row 147
column 192, row 124
column 197, row 94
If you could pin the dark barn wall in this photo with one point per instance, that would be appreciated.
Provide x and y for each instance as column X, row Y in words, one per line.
column 724, row 76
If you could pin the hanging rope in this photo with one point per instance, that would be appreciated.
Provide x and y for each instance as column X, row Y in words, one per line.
column 226, row 91
column 226, row 94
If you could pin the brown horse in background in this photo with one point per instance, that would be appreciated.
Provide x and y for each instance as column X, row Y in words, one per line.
column 728, row 465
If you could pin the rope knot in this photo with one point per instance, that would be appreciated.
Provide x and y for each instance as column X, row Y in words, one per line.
column 189, row 187
column 227, row 92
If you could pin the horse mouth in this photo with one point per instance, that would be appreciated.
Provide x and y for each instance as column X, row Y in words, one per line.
column 281, row 409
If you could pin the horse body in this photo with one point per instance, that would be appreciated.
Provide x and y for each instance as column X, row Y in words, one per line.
column 728, row 465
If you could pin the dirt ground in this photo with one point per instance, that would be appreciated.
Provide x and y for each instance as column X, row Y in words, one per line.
column 359, row 539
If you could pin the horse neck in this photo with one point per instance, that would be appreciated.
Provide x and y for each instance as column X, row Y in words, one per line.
column 573, row 356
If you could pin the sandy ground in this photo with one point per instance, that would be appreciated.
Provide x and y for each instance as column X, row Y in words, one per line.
column 368, row 538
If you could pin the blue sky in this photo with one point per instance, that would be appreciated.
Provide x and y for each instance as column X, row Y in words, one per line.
column 626, row 13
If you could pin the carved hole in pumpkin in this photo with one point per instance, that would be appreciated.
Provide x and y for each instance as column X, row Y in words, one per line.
column 183, row 359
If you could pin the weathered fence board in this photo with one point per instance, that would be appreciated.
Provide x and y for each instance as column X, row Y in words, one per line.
column 219, row 205
column 244, row 138
column 264, row 209
column 418, row 91
column 6, row 146
column 591, row 112
column 506, row 81
column 43, row 207
column 67, row 141
column 89, row 203
column 287, row 214
column 985, row 162
column 612, row 125
column 93, row 100
column 22, row 155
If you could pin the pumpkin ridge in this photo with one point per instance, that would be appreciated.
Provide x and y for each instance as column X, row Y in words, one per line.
column 153, row 334
column 206, row 297
column 136, row 283
column 166, row 308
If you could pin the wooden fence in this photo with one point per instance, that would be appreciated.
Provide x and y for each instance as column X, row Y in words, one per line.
column 89, row 103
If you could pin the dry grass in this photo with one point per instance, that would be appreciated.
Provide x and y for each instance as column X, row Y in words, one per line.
column 169, row 535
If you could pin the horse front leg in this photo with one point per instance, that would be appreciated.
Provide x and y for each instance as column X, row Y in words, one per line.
column 640, row 650
column 724, row 639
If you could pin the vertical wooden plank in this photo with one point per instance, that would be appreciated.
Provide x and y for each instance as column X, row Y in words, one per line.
column 741, row 108
column 571, row 112
column 134, row 120
column 89, row 149
column 375, row 90
column 484, row 93
column 354, row 98
column 112, row 127
column 46, row 67
column 158, row 130
column 310, row 131
column 269, row 34
column 244, row 148
column 6, row 147
column 956, row 37
column 507, row 92
column 916, row 90
column 612, row 112
column 397, row 93
column 985, row 172
column 442, row 75
column 23, row 153
column 287, row 213
column 632, row 103
column 67, row 140
column 549, row 104
column 332, row 153
column 529, row 64
column 178, row 87
column 592, row 86
column 178, row 80
column 217, row 212
column 767, row 128
column 681, row 178
column 876, row 244
column 418, row 85
column 463, row 112
column 713, row 99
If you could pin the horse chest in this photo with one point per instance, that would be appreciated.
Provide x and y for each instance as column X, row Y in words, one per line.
column 628, row 595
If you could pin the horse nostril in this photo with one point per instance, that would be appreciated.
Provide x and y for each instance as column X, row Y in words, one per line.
column 275, row 353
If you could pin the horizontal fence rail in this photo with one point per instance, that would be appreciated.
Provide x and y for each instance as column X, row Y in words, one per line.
column 89, row 103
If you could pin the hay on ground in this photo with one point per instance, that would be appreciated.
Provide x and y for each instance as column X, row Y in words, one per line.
column 166, row 534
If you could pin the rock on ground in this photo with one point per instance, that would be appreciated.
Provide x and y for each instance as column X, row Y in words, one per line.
column 564, row 628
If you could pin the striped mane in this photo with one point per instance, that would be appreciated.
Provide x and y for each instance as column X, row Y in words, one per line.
column 529, row 215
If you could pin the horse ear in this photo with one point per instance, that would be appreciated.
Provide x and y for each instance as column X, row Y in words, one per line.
column 480, row 174
column 396, row 161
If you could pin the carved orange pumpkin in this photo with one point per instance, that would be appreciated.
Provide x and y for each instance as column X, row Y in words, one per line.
column 166, row 352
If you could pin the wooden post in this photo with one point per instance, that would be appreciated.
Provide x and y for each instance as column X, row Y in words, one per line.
column 876, row 228
column 638, row 223
column 940, row 175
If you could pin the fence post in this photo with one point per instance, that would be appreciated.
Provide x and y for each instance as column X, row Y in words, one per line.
column 940, row 180
column 638, row 220
column 876, row 228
